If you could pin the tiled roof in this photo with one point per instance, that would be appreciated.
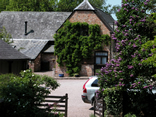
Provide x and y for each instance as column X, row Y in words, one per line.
column 44, row 24
column 105, row 18
column 7, row 52
column 30, row 47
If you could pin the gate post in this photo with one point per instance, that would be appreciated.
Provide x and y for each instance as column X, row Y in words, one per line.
column 66, row 104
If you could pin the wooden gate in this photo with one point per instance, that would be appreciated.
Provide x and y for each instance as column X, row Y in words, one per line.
column 59, row 103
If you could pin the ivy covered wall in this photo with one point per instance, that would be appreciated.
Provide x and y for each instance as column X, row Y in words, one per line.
column 77, row 41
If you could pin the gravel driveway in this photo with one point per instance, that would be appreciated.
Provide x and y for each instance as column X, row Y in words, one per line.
column 76, row 107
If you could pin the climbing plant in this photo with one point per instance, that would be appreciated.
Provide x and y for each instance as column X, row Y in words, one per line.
column 75, row 42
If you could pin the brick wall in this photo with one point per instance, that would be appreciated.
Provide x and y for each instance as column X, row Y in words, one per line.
column 87, row 70
column 91, row 18
column 31, row 65
column 60, row 70
column 35, row 65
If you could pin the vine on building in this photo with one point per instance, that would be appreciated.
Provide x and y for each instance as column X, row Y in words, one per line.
column 77, row 41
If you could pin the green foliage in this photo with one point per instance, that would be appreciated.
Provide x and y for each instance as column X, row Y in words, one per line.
column 5, row 36
column 152, row 8
column 53, row 112
column 21, row 94
column 69, row 5
column 92, row 115
column 130, row 115
column 30, row 5
column 51, row 5
column 113, row 101
column 3, row 4
column 4, row 79
column 149, row 46
column 75, row 42
column 129, row 72
column 111, row 9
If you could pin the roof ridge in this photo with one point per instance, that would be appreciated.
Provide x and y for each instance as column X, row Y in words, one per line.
column 83, row 6
column 33, row 39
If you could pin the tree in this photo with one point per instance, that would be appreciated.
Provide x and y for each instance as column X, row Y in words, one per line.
column 110, row 10
column 128, row 71
column 30, row 5
column 5, row 36
column 22, row 94
column 51, row 5
column 3, row 4
column 150, row 46
column 69, row 5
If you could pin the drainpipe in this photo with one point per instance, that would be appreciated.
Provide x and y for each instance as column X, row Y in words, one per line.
column 110, row 45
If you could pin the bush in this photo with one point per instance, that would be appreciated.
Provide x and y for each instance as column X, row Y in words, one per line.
column 21, row 95
column 129, row 72
column 130, row 115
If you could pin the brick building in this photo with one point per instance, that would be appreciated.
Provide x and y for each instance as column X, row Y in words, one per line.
column 33, row 32
column 85, row 12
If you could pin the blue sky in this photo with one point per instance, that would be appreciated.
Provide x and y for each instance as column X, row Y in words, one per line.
column 114, row 2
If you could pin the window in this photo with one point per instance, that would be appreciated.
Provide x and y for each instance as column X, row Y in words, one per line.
column 101, row 58
column 84, row 31
column 95, row 83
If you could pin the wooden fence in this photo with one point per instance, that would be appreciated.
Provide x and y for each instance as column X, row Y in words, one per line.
column 99, row 107
column 56, row 103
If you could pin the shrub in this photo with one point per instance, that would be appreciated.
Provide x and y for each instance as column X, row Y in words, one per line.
column 21, row 95
column 128, row 70
column 130, row 115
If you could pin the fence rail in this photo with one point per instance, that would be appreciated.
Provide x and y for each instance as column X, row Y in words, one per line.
column 58, row 103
